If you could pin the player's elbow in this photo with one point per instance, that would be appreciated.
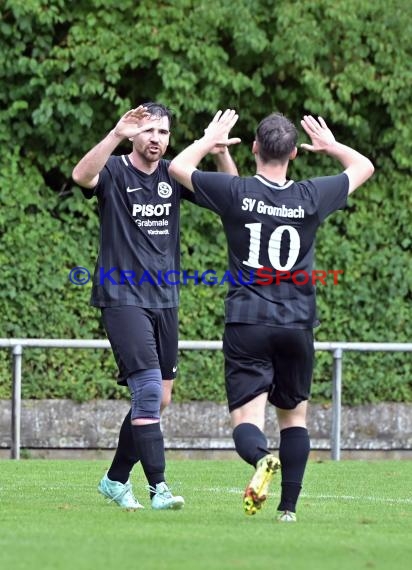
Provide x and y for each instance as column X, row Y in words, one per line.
column 82, row 180
column 176, row 170
column 76, row 175
column 173, row 169
column 369, row 169
column 358, row 174
column 181, row 173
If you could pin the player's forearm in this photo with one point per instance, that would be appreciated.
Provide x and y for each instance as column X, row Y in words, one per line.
column 183, row 165
column 357, row 166
column 87, row 169
column 225, row 163
column 346, row 155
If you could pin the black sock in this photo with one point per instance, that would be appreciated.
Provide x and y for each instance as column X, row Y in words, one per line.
column 293, row 454
column 250, row 442
column 150, row 447
column 126, row 455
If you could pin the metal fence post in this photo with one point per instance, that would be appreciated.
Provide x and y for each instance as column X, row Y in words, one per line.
column 336, row 403
column 16, row 402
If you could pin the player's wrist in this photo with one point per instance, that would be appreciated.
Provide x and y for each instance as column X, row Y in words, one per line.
column 206, row 143
column 333, row 148
column 116, row 135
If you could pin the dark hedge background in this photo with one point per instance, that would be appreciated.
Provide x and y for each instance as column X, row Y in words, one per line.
column 71, row 69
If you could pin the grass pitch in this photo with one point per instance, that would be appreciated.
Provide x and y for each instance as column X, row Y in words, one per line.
column 351, row 515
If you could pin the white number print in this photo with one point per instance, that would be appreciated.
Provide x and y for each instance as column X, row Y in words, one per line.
column 275, row 241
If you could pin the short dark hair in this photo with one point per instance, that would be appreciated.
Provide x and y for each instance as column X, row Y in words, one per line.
column 277, row 137
column 159, row 110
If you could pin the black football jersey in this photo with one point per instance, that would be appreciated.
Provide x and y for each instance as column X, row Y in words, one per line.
column 270, row 232
column 139, row 235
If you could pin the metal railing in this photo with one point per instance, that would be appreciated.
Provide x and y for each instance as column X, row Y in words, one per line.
column 17, row 345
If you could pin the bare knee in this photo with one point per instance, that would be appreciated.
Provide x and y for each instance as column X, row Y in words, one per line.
column 252, row 413
column 292, row 418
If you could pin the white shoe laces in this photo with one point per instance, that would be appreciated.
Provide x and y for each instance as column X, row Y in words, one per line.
column 127, row 488
column 163, row 491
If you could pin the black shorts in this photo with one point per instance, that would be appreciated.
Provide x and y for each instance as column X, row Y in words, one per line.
column 142, row 338
column 261, row 358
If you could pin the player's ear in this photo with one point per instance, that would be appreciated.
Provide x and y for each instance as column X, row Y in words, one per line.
column 255, row 147
column 293, row 154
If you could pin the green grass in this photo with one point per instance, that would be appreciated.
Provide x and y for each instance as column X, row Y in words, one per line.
column 352, row 515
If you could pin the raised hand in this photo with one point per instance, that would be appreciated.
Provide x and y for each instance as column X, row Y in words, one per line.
column 219, row 128
column 320, row 134
column 129, row 125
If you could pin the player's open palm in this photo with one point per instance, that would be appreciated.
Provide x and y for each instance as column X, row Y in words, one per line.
column 130, row 124
column 219, row 128
column 318, row 131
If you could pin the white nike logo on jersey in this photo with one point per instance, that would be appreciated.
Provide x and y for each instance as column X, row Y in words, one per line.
column 128, row 189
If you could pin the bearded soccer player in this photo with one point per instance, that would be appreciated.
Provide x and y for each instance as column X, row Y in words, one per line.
column 270, row 224
column 139, row 240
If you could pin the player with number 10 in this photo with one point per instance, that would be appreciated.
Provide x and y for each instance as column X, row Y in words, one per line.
column 271, row 221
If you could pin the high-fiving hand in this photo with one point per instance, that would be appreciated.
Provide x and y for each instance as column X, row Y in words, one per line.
column 318, row 131
column 130, row 124
column 219, row 128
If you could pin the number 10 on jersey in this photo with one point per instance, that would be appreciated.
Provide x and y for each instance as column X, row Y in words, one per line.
column 273, row 247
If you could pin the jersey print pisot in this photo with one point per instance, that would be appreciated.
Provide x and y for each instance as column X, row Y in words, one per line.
column 139, row 235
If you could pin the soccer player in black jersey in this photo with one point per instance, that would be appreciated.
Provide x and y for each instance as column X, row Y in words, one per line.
column 139, row 241
column 270, row 224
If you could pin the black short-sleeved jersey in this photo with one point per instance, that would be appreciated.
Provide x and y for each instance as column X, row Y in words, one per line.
column 270, row 231
column 139, row 235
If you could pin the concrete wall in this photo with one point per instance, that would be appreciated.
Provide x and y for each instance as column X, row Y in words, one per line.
column 63, row 424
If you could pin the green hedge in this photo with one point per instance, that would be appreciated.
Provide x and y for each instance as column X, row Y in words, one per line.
column 71, row 69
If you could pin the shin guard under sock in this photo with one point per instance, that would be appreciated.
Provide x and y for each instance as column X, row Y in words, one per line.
column 293, row 454
column 126, row 455
column 250, row 442
column 150, row 447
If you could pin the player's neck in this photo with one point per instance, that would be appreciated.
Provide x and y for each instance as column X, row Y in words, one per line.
column 273, row 173
column 140, row 163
